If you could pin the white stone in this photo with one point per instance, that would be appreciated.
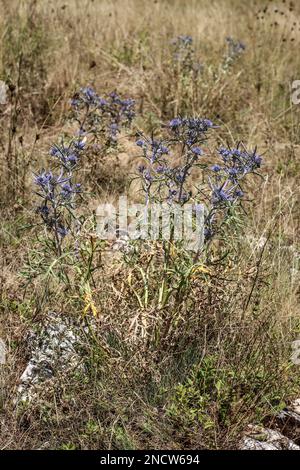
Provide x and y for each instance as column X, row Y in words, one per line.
column 52, row 350
column 267, row 439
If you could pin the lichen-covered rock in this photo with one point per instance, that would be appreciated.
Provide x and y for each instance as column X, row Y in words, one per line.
column 266, row 439
column 289, row 417
column 53, row 349
column 295, row 406
column 288, row 421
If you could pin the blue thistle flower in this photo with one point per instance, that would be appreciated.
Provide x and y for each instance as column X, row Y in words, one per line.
column 216, row 168
column 197, row 151
column 239, row 193
column 176, row 122
column 62, row 231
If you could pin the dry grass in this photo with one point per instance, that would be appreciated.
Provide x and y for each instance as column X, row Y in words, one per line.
column 195, row 373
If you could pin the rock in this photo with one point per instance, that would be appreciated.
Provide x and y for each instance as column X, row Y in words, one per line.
column 289, row 417
column 53, row 349
column 252, row 444
column 288, row 421
column 295, row 406
column 266, row 439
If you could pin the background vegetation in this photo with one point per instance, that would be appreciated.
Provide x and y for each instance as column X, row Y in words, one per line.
column 193, row 372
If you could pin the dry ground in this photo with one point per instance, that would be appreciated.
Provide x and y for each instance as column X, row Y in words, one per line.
column 225, row 361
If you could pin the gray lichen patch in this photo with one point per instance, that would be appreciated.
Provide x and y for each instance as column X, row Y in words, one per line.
column 54, row 349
